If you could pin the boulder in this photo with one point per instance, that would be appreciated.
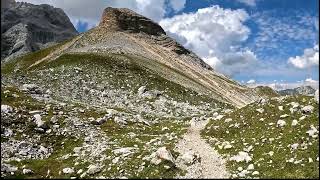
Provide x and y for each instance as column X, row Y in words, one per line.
column 307, row 109
column 6, row 109
column 93, row 169
column 68, row 170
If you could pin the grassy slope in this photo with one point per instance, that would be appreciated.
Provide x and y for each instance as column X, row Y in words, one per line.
column 259, row 133
column 266, row 91
column 121, row 67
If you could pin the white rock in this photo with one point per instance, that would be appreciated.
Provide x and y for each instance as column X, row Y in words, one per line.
column 228, row 120
column 165, row 128
column 312, row 132
column 218, row 117
column 6, row 108
column 241, row 156
column 141, row 90
column 260, row 110
column 77, row 150
column 228, row 146
column 250, row 167
column 255, row 173
column 281, row 123
column 280, row 108
column 79, row 171
column 240, row 168
column 307, row 109
column 310, row 160
column 294, row 122
column 270, row 153
column 294, row 146
column 38, row 121
column 163, row 153
column 43, row 149
column 115, row 160
column 294, row 104
column 27, row 171
column 302, row 118
column 284, row 116
column 126, row 150
column 243, row 173
column 92, row 169
column 67, row 170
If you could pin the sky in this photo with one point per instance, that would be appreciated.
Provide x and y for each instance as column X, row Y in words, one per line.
column 256, row 42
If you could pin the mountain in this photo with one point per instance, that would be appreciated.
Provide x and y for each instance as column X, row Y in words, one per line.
column 132, row 36
column 302, row 90
column 27, row 28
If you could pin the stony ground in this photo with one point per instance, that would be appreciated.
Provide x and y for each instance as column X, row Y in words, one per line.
column 121, row 123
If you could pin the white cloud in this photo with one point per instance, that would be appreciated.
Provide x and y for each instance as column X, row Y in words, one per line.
column 90, row 11
column 309, row 58
column 248, row 2
column 277, row 29
column 215, row 34
column 251, row 81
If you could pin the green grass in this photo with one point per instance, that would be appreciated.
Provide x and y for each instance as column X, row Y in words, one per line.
column 265, row 91
column 253, row 131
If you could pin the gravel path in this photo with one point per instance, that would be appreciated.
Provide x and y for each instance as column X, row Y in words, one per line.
column 210, row 165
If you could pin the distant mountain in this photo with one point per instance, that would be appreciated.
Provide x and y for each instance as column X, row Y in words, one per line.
column 302, row 90
column 26, row 27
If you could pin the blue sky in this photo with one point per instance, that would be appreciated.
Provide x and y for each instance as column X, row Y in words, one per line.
column 255, row 41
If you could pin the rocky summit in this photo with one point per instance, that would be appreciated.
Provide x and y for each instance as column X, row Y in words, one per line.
column 27, row 28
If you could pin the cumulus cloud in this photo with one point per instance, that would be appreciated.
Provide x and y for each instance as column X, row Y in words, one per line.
column 215, row 34
column 309, row 58
column 248, row 2
column 90, row 11
column 251, row 81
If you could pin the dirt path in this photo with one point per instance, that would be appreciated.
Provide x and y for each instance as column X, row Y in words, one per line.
column 211, row 165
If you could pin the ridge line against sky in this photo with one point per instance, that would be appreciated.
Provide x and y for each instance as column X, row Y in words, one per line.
column 256, row 41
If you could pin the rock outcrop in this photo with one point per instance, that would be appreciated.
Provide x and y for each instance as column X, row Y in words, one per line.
column 26, row 27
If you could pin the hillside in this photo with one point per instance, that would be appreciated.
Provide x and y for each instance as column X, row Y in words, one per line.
column 277, row 138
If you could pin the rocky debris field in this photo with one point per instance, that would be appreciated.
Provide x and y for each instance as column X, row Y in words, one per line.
column 95, row 119
column 275, row 138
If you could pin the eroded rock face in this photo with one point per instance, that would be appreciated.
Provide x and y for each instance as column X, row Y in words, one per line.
column 127, row 20
column 26, row 28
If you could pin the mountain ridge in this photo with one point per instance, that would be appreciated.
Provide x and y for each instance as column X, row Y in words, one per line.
column 156, row 51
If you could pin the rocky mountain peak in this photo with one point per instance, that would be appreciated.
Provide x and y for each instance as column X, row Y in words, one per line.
column 123, row 19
